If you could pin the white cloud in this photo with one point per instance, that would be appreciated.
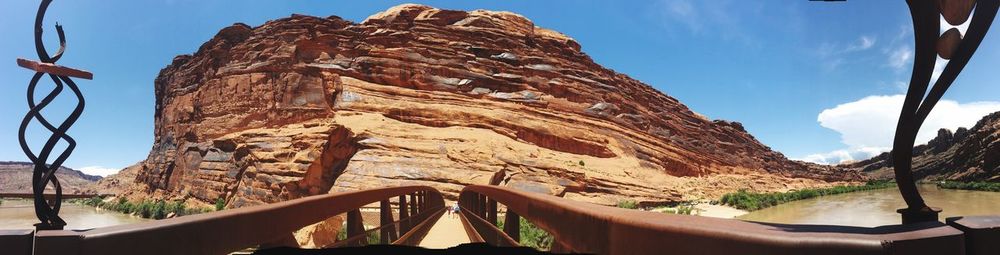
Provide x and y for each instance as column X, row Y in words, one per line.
column 718, row 19
column 899, row 57
column 833, row 54
column 867, row 126
column 845, row 155
column 901, row 85
column 685, row 12
column 98, row 170
column 867, row 42
column 864, row 43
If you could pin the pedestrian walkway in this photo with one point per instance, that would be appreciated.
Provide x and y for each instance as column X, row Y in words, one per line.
column 447, row 232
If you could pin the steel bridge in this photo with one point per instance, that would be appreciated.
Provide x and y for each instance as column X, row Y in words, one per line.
column 407, row 215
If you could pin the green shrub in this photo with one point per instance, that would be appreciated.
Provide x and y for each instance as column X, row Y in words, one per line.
column 680, row 209
column 581, row 163
column 220, row 204
column 372, row 236
column 752, row 201
column 628, row 204
column 531, row 235
column 151, row 209
column 342, row 234
column 159, row 210
column 981, row 186
column 178, row 208
column 94, row 201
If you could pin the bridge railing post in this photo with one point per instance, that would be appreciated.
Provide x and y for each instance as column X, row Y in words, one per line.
column 512, row 225
column 491, row 211
column 413, row 207
column 404, row 217
column 423, row 200
column 482, row 206
column 491, row 218
column 475, row 203
column 355, row 227
column 388, row 232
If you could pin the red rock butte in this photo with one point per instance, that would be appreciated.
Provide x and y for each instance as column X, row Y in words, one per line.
column 418, row 95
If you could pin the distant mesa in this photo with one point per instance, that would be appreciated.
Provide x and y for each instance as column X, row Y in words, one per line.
column 15, row 177
column 968, row 155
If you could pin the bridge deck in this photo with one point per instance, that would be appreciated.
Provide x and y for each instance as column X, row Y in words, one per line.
column 446, row 232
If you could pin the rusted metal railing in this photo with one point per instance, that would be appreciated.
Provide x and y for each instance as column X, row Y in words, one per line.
column 408, row 230
column 588, row 228
column 49, row 196
column 264, row 226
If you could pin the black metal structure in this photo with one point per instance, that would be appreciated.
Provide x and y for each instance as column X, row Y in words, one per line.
column 930, row 43
column 44, row 172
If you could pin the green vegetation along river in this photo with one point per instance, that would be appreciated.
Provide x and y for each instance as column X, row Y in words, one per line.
column 20, row 214
column 876, row 207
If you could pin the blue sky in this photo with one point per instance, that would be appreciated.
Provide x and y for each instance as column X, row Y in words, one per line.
column 813, row 80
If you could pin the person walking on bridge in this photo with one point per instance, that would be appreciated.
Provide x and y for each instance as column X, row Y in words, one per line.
column 454, row 209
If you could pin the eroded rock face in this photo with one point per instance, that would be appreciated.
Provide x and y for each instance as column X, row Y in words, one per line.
column 965, row 155
column 417, row 95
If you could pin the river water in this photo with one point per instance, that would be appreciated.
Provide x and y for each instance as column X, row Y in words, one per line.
column 20, row 214
column 876, row 207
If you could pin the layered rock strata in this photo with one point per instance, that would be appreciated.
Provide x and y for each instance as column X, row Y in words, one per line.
column 417, row 95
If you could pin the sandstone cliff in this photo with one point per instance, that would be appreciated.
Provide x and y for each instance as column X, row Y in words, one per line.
column 15, row 177
column 965, row 155
column 417, row 95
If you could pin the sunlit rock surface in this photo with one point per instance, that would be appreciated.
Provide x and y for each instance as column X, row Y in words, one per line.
column 421, row 96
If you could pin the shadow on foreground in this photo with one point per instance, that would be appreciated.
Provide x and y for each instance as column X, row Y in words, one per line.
column 469, row 248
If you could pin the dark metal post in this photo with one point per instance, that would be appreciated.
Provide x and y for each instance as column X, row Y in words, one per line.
column 423, row 200
column 512, row 225
column 44, row 172
column 491, row 211
column 928, row 45
column 404, row 218
column 388, row 231
column 413, row 207
column 474, row 203
column 482, row 206
column 355, row 227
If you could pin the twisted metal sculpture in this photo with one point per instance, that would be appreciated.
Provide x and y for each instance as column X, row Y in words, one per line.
column 930, row 43
column 44, row 173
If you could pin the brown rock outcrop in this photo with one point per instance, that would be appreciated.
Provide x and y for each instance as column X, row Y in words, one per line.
column 965, row 155
column 417, row 95
column 117, row 183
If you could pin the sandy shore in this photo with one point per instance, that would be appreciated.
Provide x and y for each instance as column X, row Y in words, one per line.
column 710, row 210
column 718, row 211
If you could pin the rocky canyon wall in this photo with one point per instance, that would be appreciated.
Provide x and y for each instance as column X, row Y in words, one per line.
column 417, row 95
